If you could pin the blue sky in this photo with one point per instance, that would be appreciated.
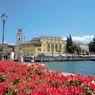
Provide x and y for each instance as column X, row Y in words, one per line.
column 48, row 17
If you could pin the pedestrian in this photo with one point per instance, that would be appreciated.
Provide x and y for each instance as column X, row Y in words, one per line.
column 32, row 58
column 12, row 55
column 21, row 57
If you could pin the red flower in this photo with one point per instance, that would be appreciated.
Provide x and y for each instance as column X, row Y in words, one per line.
column 36, row 79
column 22, row 94
column 34, row 76
column 92, row 86
column 37, row 93
column 2, row 87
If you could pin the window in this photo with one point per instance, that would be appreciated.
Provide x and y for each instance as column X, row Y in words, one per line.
column 19, row 38
column 56, row 47
column 39, row 49
column 44, row 50
column 52, row 46
column 48, row 46
column 60, row 46
column 48, row 50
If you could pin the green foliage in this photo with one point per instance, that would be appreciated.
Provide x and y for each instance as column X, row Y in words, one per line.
column 9, row 91
column 73, row 83
column 71, row 48
column 92, row 46
column 76, row 49
column 87, row 90
column 3, row 78
column 69, row 44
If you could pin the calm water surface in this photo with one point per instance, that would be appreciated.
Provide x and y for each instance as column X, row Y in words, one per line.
column 84, row 67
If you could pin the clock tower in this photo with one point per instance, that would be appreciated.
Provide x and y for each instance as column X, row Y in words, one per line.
column 19, row 38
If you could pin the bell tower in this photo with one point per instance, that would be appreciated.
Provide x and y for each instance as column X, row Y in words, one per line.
column 19, row 38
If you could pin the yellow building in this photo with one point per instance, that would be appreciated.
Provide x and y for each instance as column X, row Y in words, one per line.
column 30, row 48
column 44, row 45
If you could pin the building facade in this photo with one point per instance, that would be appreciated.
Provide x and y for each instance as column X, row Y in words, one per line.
column 84, row 48
column 7, row 49
column 48, row 46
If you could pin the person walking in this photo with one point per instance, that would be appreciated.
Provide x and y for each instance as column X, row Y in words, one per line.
column 32, row 58
column 12, row 55
column 21, row 57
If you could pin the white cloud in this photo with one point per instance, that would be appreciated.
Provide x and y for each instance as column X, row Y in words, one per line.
column 82, row 39
column 7, row 43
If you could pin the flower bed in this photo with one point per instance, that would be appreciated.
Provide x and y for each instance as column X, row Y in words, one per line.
column 36, row 79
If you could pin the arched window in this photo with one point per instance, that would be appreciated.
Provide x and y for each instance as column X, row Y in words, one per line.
column 56, row 47
column 19, row 38
column 60, row 47
column 52, row 45
column 48, row 46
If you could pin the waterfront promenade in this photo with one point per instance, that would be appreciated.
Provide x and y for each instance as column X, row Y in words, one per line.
column 67, row 58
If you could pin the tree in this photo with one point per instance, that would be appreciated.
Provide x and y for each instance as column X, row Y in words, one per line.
column 69, row 44
column 76, row 49
column 72, row 48
column 92, row 46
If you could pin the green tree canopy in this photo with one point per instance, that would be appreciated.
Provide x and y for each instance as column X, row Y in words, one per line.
column 69, row 44
column 71, row 47
column 92, row 46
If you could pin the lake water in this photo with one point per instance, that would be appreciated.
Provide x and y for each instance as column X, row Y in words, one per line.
column 83, row 67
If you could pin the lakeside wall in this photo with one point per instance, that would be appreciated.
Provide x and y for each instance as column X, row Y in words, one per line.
column 50, row 59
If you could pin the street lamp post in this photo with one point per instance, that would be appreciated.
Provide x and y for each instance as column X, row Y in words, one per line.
column 3, row 17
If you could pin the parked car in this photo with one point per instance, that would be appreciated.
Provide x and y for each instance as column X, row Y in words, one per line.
column 27, row 58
